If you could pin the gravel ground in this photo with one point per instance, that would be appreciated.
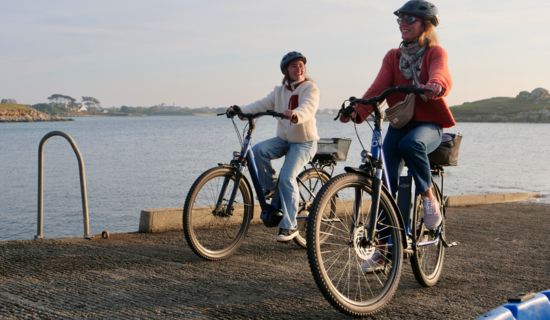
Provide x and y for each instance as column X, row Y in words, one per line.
column 503, row 251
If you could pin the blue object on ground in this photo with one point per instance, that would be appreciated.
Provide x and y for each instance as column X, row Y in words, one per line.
column 530, row 306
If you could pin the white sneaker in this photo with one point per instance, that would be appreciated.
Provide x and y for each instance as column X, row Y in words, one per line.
column 286, row 235
column 374, row 264
column 432, row 214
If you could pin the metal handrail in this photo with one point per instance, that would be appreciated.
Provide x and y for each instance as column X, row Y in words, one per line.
column 83, row 191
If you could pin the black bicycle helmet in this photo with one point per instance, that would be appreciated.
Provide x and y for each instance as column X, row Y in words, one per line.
column 289, row 57
column 420, row 8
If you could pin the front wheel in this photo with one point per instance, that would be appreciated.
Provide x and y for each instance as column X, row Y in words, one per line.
column 340, row 257
column 214, row 228
column 429, row 252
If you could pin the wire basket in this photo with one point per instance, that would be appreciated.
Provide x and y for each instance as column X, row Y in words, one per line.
column 335, row 148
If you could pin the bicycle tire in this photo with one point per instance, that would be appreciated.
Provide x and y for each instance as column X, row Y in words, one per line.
column 427, row 262
column 310, row 181
column 216, row 233
column 336, row 259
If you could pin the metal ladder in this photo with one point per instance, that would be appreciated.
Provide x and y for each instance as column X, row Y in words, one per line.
column 83, row 192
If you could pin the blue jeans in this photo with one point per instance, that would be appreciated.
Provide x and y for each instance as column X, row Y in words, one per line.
column 411, row 144
column 297, row 155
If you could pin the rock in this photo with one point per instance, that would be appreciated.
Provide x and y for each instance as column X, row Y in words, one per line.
column 538, row 95
column 524, row 95
column 25, row 115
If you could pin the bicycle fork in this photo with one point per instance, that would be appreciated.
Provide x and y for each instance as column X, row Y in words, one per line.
column 375, row 205
column 219, row 210
column 237, row 166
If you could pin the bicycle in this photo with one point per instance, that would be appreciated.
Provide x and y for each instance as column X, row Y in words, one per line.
column 345, row 206
column 220, row 204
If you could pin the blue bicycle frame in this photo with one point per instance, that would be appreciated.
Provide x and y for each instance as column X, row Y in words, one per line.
column 270, row 212
column 376, row 159
column 406, row 186
column 248, row 154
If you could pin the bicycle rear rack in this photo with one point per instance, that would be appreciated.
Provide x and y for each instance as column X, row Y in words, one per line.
column 82, row 173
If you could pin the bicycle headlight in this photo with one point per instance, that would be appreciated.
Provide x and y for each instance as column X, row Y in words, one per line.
column 365, row 156
column 236, row 155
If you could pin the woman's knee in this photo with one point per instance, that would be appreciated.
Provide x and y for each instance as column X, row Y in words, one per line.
column 285, row 178
column 258, row 149
column 407, row 146
column 287, row 181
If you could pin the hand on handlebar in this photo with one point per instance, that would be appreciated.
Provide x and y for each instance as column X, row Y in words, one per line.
column 232, row 111
column 353, row 113
column 348, row 114
column 433, row 90
column 290, row 115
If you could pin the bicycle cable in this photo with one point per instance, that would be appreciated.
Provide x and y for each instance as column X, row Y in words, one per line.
column 238, row 132
column 357, row 134
column 370, row 125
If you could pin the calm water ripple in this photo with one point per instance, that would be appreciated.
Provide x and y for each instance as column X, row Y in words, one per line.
column 133, row 163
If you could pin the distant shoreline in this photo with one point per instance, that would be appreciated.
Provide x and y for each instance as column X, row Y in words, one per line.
column 27, row 114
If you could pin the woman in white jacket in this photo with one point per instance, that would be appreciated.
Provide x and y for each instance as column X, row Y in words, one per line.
column 296, row 140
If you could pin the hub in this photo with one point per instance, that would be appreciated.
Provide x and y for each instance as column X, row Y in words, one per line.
column 362, row 250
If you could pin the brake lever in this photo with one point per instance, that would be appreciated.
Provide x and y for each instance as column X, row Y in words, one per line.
column 341, row 111
column 346, row 111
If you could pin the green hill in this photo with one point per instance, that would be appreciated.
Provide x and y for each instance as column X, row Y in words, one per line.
column 525, row 107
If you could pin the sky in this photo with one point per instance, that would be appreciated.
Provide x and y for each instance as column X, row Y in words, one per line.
column 195, row 53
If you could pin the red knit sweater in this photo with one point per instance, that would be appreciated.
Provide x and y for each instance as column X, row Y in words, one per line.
column 434, row 70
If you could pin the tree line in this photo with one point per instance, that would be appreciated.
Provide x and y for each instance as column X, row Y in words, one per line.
column 59, row 104
column 163, row 110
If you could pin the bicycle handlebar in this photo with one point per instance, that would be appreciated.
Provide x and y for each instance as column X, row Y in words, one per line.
column 374, row 101
column 250, row 116
column 386, row 93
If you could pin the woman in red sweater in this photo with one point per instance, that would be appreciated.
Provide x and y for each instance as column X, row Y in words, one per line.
column 419, row 60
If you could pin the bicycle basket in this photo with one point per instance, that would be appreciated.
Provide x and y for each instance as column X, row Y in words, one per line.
column 447, row 152
column 335, row 148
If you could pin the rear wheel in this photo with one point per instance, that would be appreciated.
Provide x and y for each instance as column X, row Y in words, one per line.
column 429, row 251
column 310, row 182
column 339, row 257
column 213, row 228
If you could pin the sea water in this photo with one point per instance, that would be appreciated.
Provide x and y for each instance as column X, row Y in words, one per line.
column 134, row 163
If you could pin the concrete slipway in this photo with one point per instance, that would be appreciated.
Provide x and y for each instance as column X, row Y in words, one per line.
column 503, row 251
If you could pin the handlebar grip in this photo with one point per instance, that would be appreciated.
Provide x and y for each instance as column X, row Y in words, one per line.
column 353, row 101
column 231, row 113
column 275, row 114
column 412, row 89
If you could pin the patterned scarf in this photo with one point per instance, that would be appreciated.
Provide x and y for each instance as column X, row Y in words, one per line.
column 411, row 60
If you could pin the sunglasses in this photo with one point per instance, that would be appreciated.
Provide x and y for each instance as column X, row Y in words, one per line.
column 408, row 20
